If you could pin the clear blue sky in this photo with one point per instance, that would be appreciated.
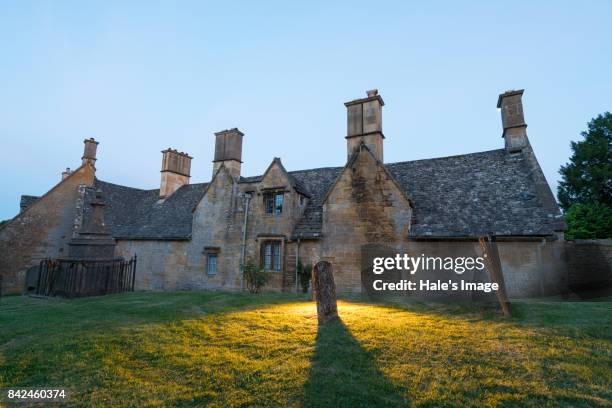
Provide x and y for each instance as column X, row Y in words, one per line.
column 144, row 76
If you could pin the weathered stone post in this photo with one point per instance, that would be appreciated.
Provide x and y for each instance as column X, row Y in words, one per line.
column 493, row 264
column 325, row 292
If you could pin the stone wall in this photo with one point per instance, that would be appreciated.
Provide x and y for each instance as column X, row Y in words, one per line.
column 42, row 230
column 364, row 206
column 161, row 264
column 533, row 269
column 217, row 227
column 590, row 267
column 309, row 253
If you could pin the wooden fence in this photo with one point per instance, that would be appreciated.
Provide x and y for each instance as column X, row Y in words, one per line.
column 77, row 278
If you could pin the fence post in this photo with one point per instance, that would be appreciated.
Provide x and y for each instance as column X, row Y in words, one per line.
column 134, row 271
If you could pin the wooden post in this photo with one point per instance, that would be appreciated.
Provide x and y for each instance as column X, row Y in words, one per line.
column 325, row 292
column 493, row 264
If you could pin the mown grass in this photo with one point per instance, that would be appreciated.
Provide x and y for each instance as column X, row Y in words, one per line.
column 220, row 349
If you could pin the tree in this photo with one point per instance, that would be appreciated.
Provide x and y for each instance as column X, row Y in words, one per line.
column 585, row 192
column 588, row 221
column 587, row 178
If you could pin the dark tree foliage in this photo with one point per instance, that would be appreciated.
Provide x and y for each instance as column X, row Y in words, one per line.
column 588, row 221
column 587, row 178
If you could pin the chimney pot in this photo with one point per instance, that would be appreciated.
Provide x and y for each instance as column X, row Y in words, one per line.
column 89, row 152
column 175, row 172
column 228, row 151
column 364, row 124
column 513, row 120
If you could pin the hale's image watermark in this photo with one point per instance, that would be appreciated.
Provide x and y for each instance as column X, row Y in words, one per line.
column 413, row 264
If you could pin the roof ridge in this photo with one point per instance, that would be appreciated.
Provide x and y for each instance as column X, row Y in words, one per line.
column 121, row 185
column 448, row 157
column 317, row 168
column 320, row 168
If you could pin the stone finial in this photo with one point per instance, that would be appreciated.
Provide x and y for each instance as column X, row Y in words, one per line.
column 92, row 241
column 66, row 173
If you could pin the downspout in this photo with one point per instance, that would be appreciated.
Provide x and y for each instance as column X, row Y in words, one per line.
column 297, row 260
column 244, row 233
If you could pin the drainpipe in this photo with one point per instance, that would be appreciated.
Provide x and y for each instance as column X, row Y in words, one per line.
column 244, row 233
column 297, row 259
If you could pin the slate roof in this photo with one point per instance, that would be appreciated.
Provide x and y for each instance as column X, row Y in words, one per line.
column 132, row 213
column 317, row 182
column 474, row 194
column 459, row 196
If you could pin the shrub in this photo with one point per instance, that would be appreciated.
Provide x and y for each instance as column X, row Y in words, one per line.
column 254, row 276
column 588, row 221
column 304, row 274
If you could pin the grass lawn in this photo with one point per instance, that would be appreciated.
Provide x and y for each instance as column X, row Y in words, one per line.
column 220, row 349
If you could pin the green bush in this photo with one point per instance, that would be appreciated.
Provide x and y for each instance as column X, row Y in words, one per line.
column 588, row 221
column 304, row 274
column 254, row 276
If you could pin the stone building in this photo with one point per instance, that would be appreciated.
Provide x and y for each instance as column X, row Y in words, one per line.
column 195, row 235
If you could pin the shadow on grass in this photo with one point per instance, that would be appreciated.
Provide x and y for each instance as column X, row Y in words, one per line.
column 343, row 374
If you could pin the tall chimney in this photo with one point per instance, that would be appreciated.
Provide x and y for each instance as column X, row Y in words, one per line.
column 175, row 172
column 89, row 153
column 513, row 121
column 228, row 151
column 364, row 124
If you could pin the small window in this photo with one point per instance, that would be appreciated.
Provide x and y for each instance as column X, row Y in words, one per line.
column 302, row 200
column 273, row 203
column 278, row 203
column 211, row 264
column 272, row 256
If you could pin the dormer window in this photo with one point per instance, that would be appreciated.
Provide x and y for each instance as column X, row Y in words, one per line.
column 273, row 203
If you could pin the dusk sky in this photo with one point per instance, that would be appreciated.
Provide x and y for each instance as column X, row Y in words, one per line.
column 144, row 76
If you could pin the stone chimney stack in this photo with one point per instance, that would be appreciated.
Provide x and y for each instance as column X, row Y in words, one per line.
column 66, row 173
column 89, row 153
column 515, row 129
column 228, row 151
column 175, row 172
column 364, row 124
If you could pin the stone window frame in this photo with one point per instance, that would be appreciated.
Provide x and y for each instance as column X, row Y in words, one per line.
column 263, row 240
column 208, row 252
column 270, row 195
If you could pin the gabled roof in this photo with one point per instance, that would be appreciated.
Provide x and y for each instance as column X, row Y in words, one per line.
column 317, row 182
column 295, row 183
column 364, row 149
column 467, row 195
column 475, row 194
